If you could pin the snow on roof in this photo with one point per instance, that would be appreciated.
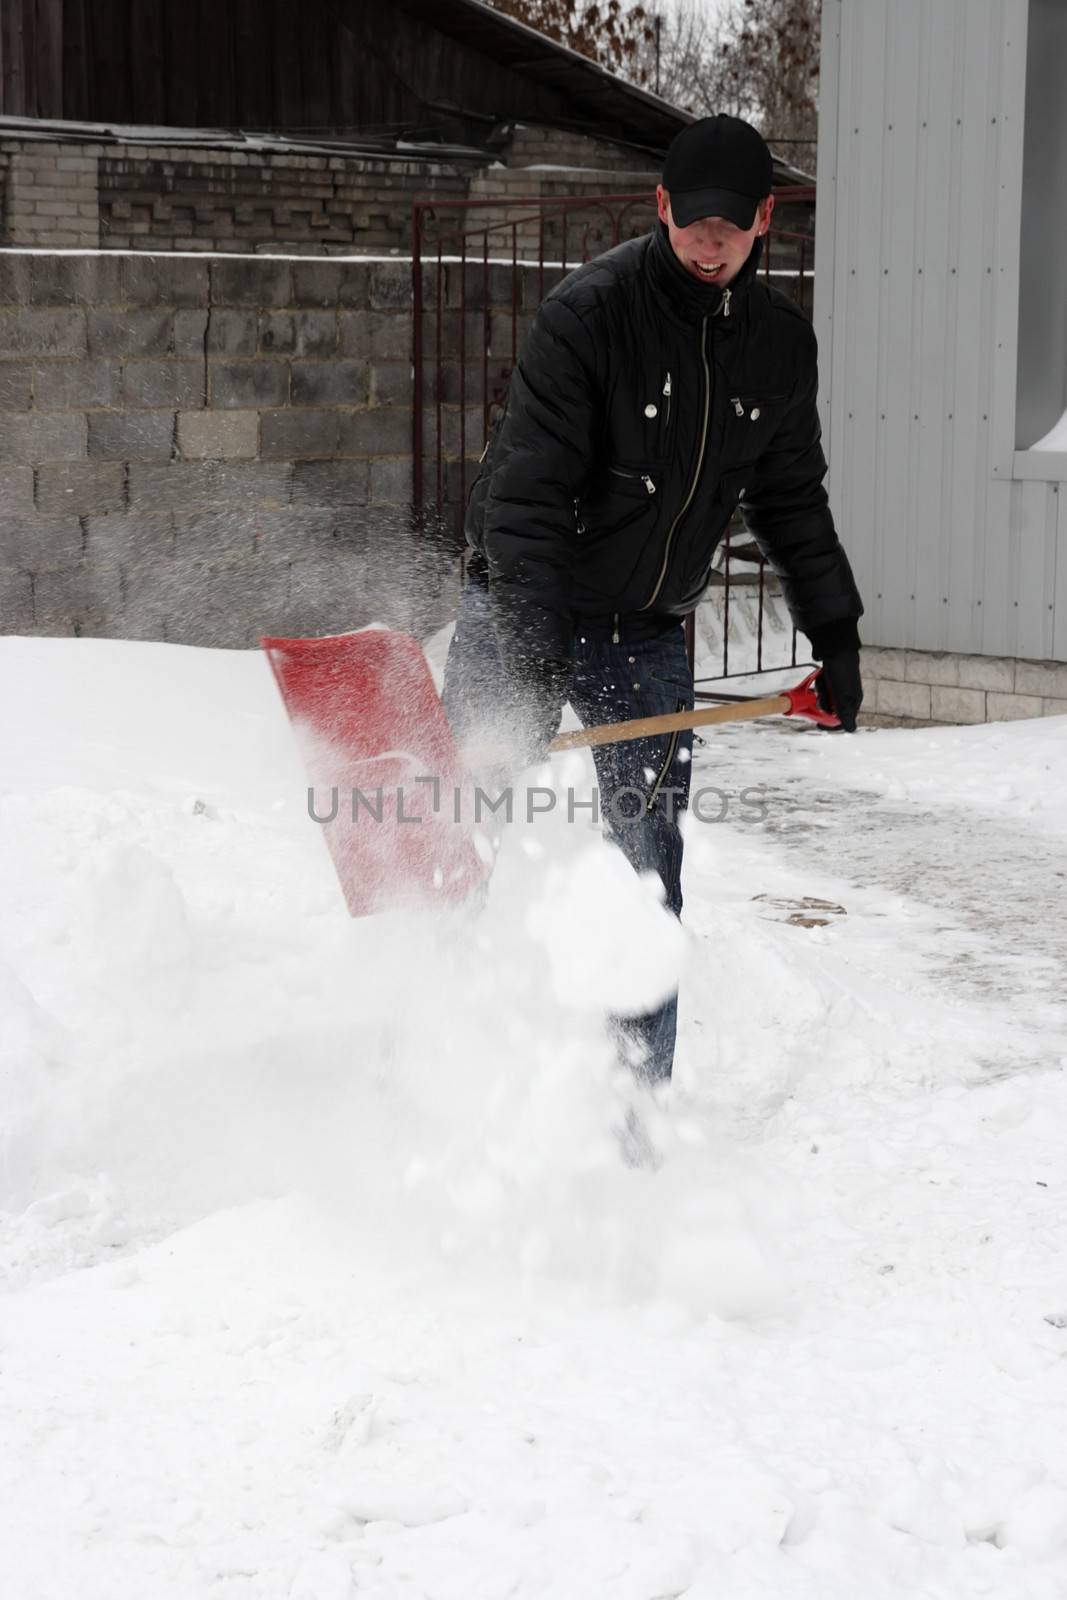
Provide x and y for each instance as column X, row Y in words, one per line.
column 45, row 128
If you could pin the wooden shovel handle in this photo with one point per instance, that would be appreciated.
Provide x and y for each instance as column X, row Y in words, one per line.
column 641, row 727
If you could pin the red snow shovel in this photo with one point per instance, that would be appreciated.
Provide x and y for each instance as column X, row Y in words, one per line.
column 387, row 783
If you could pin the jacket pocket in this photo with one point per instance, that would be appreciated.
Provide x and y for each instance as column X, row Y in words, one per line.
column 616, row 499
column 616, row 520
column 752, row 420
column 659, row 410
column 675, row 674
column 751, row 405
column 630, row 479
column 642, row 413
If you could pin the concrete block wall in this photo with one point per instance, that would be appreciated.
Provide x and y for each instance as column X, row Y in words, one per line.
column 202, row 450
column 915, row 688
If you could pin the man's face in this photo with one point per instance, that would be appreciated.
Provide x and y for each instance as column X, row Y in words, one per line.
column 713, row 250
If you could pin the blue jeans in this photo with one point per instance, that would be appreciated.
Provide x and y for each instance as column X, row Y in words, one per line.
column 643, row 783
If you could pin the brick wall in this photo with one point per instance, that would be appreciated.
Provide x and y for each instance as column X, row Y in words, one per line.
column 140, row 197
column 568, row 234
column 202, row 450
column 50, row 194
column 531, row 146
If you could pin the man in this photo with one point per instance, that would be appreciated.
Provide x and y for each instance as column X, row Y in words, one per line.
column 660, row 386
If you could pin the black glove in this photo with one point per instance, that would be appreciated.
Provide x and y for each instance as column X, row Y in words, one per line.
column 839, row 687
column 535, row 679
column 533, row 728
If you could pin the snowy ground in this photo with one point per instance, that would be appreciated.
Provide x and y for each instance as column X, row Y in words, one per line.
column 324, row 1278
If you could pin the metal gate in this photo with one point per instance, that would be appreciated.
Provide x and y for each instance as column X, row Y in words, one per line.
column 480, row 269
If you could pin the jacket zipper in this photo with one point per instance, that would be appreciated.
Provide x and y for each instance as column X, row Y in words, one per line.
column 700, row 457
column 667, row 397
column 738, row 403
column 645, row 478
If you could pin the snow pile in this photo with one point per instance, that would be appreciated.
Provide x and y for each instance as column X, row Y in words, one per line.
column 325, row 1275
column 197, row 1022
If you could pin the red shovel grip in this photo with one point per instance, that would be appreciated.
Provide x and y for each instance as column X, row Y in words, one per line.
column 804, row 702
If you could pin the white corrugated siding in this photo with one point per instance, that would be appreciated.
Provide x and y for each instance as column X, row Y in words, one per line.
column 916, row 300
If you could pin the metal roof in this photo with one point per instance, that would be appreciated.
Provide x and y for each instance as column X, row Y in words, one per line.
column 386, row 148
column 605, row 105
column 597, row 95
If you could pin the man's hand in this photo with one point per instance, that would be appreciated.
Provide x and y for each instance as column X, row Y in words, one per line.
column 536, row 725
column 839, row 687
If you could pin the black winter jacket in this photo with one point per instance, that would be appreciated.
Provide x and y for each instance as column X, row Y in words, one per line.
column 644, row 407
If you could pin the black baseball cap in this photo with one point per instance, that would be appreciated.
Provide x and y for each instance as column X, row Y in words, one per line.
column 717, row 167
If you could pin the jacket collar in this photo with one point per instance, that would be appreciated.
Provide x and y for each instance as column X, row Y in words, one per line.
column 688, row 299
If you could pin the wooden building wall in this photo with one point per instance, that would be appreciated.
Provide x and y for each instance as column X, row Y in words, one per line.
column 283, row 65
column 267, row 64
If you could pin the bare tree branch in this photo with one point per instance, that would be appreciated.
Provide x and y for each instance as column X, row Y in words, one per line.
column 619, row 37
column 759, row 59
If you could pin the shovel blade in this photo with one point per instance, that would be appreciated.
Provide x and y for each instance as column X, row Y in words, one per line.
column 382, row 765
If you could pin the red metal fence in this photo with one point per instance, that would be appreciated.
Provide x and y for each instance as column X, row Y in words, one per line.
column 480, row 269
